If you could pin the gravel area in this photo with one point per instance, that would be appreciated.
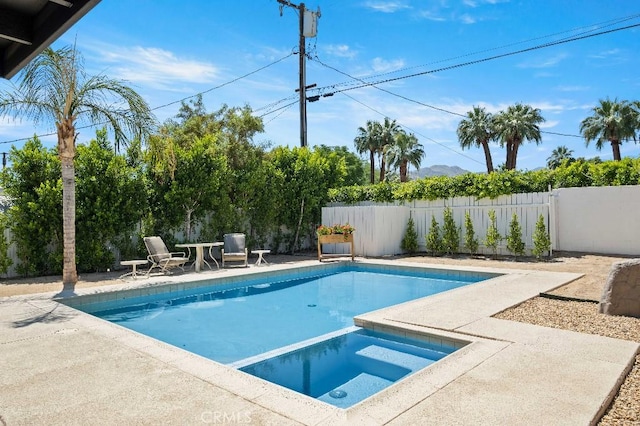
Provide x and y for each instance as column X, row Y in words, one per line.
column 583, row 317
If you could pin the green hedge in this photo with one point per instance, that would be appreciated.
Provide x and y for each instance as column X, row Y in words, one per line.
column 579, row 173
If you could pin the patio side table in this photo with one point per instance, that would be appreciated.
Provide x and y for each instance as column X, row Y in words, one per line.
column 134, row 264
column 260, row 254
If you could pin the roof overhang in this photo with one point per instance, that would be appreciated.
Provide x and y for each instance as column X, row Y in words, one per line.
column 27, row 27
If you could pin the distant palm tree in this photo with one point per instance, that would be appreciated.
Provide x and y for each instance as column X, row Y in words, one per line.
column 515, row 125
column 367, row 142
column 404, row 152
column 612, row 121
column 558, row 156
column 477, row 129
column 387, row 137
column 54, row 88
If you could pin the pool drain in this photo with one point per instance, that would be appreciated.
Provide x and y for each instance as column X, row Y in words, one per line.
column 337, row 393
column 311, row 305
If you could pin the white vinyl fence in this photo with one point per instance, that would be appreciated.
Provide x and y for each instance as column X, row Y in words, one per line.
column 591, row 220
column 380, row 228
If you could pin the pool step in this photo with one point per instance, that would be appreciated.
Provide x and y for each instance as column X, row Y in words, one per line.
column 391, row 356
column 355, row 390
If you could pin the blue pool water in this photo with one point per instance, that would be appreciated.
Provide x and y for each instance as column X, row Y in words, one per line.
column 265, row 314
column 346, row 369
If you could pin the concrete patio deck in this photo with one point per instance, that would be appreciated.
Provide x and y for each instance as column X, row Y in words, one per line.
column 61, row 366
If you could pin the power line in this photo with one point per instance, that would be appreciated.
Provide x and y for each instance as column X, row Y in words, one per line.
column 226, row 83
column 477, row 61
column 422, row 103
column 593, row 27
column 173, row 102
column 278, row 109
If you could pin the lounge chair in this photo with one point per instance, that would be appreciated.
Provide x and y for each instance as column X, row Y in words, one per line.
column 161, row 258
column 234, row 249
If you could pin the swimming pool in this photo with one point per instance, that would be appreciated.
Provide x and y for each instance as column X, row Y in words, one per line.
column 228, row 321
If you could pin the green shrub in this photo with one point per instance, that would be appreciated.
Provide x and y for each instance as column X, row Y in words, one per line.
column 434, row 240
column 493, row 236
column 514, row 238
column 470, row 239
column 450, row 233
column 409, row 242
column 541, row 240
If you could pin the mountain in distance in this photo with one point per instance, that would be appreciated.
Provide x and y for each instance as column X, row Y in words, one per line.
column 437, row 170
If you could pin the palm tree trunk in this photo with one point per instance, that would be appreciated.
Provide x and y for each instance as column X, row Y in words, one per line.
column 69, row 273
column 514, row 154
column 372, row 168
column 382, row 167
column 403, row 171
column 487, row 156
column 67, row 151
column 615, row 145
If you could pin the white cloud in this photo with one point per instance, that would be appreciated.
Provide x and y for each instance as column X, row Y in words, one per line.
column 386, row 6
column 549, row 124
column 431, row 16
column 467, row 19
column 152, row 66
column 547, row 62
column 340, row 50
column 572, row 88
column 381, row 65
column 606, row 54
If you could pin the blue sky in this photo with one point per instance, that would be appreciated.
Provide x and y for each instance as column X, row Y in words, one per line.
column 169, row 50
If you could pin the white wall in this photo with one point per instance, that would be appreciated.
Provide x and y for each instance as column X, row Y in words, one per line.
column 597, row 219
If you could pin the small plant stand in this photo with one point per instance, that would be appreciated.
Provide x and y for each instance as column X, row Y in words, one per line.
column 335, row 239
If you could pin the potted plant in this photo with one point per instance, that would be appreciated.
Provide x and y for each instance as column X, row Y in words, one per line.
column 333, row 235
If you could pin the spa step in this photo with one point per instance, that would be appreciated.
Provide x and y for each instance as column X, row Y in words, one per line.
column 391, row 356
column 360, row 387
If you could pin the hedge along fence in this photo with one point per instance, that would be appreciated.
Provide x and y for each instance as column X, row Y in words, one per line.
column 380, row 227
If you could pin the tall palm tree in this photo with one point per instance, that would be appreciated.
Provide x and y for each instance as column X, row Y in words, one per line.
column 477, row 130
column 515, row 125
column 404, row 152
column 54, row 88
column 612, row 121
column 558, row 156
column 367, row 142
column 387, row 137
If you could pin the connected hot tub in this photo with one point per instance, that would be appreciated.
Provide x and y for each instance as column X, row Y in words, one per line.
column 347, row 368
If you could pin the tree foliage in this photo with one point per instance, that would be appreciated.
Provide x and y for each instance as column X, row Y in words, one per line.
column 612, row 121
column 515, row 244
column 450, row 233
column 110, row 202
column 35, row 216
column 434, row 238
column 493, row 237
column 541, row 240
column 578, row 173
column 409, row 241
column 470, row 239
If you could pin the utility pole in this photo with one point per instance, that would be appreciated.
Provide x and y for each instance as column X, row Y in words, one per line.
column 310, row 30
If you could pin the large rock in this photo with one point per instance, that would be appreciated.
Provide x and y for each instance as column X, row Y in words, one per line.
column 621, row 295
